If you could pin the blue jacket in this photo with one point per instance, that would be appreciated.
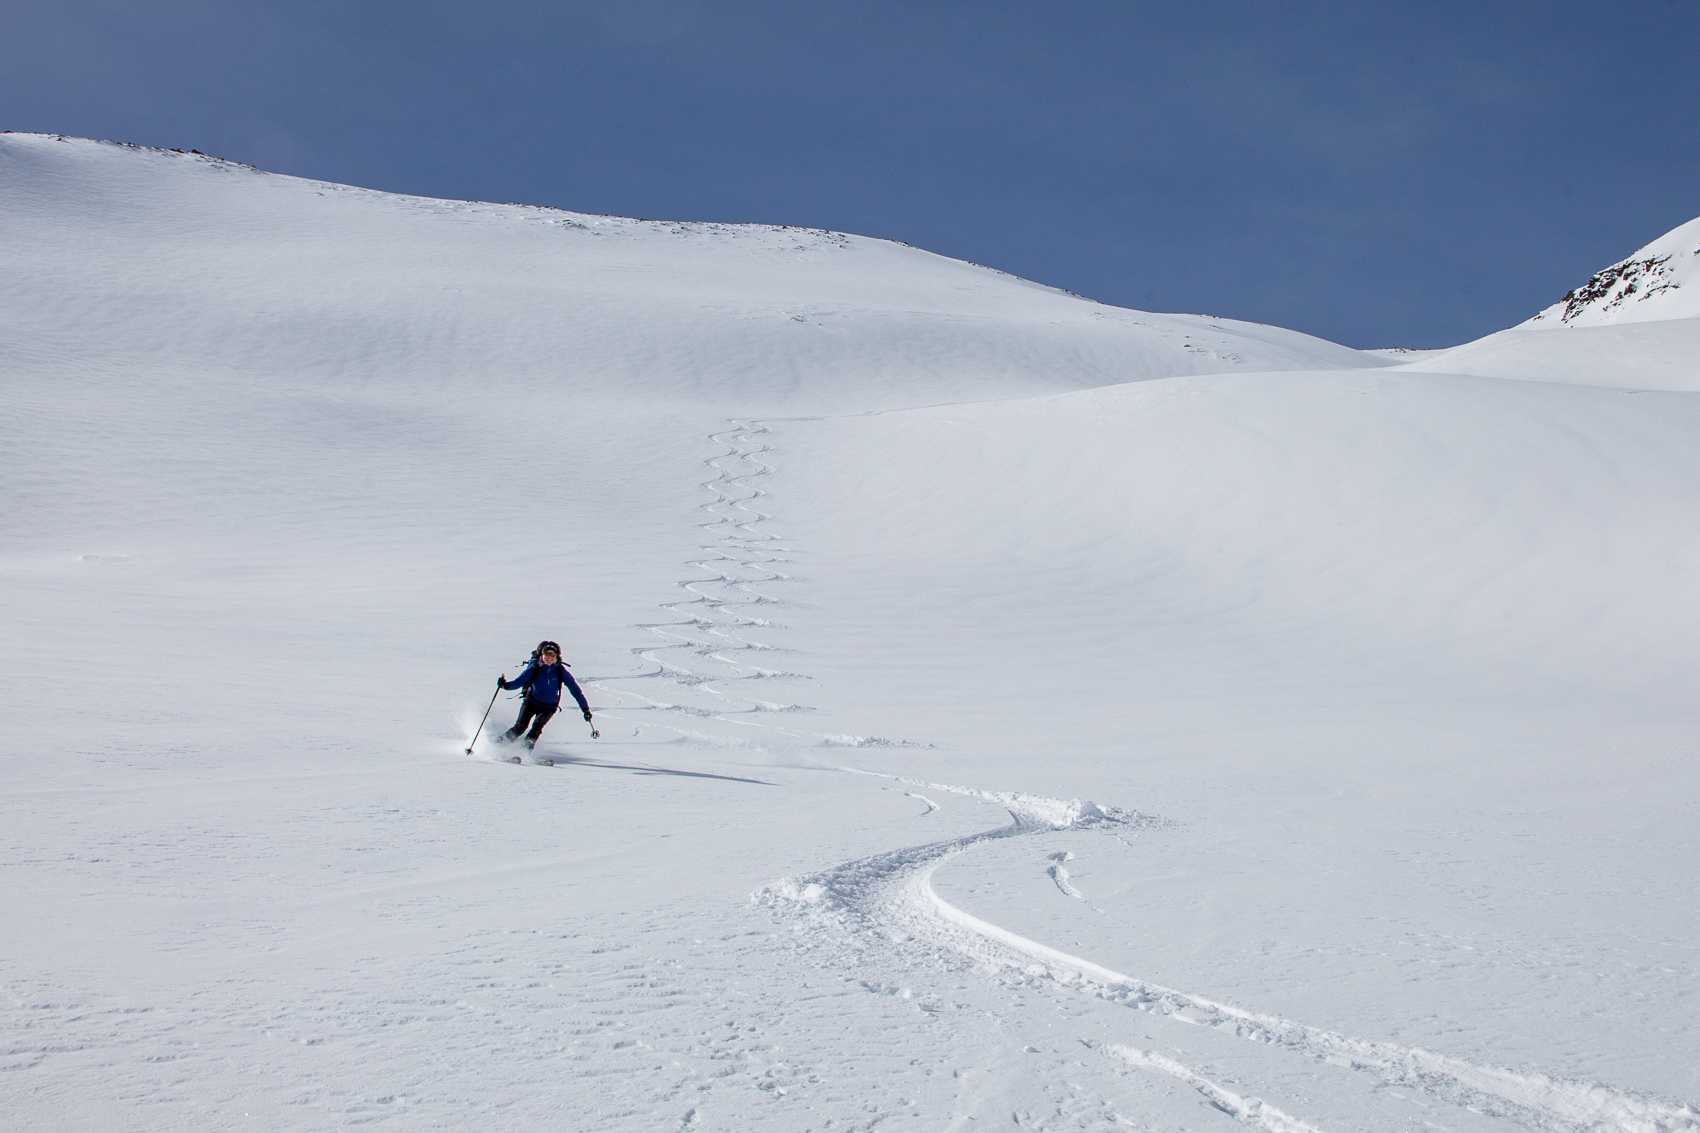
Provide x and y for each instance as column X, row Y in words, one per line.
column 542, row 683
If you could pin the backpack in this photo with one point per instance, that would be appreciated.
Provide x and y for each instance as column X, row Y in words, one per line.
column 537, row 654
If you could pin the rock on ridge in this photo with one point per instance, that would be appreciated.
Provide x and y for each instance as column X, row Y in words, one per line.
column 1660, row 281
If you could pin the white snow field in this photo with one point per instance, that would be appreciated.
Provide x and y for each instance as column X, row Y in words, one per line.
column 1016, row 712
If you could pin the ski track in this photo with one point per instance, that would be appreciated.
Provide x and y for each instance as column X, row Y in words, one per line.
column 714, row 623
column 1253, row 1110
column 1059, row 874
column 889, row 896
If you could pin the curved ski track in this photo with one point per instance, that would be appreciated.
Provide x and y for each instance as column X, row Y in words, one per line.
column 889, row 896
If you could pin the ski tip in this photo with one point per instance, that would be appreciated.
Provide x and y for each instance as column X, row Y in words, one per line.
column 515, row 759
column 546, row 763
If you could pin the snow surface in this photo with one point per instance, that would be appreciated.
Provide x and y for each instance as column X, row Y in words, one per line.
column 1662, row 355
column 1016, row 712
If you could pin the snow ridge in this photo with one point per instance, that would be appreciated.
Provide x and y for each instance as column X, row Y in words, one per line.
column 1645, row 286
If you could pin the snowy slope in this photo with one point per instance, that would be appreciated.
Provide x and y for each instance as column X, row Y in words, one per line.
column 1406, row 659
column 162, row 262
column 1634, row 325
column 1663, row 355
column 1660, row 281
column 989, row 738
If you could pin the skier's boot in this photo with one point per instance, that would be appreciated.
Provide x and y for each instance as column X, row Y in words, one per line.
column 530, row 742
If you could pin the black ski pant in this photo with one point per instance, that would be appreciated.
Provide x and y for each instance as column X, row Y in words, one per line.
column 534, row 714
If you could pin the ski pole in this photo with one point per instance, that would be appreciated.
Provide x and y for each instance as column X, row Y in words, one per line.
column 594, row 734
column 480, row 730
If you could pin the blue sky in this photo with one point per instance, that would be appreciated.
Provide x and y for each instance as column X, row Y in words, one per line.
column 1379, row 174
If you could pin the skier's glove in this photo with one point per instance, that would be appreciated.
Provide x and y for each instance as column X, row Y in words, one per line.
column 587, row 715
column 502, row 681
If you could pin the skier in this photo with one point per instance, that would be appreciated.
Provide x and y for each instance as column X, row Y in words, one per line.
column 542, row 681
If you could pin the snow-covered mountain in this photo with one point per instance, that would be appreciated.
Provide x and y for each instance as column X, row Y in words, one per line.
column 224, row 269
column 1661, row 281
column 1634, row 325
column 1015, row 711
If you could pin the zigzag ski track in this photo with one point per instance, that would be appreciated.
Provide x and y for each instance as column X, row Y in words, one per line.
column 712, row 664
